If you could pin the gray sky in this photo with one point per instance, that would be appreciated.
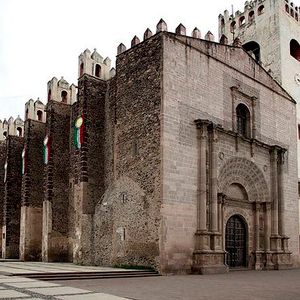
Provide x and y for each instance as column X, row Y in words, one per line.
column 40, row 39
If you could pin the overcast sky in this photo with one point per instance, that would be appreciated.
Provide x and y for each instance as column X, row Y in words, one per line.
column 40, row 39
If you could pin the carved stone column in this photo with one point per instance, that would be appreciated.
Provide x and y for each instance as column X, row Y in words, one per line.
column 213, row 180
column 274, row 175
column 268, row 256
column 258, row 253
column 202, row 197
column 281, row 194
column 208, row 256
column 275, row 240
column 267, row 226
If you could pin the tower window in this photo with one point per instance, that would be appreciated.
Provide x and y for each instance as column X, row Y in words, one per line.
column 251, row 16
column 39, row 115
column 5, row 134
column 49, row 95
column 243, row 120
column 26, row 113
column 222, row 22
column 64, row 96
column 295, row 49
column 97, row 70
column 233, row 26
column 81, row 69
column 19, row 131
column 261, row 10
column 299, row 131
column 242, row 21
column 253, row 49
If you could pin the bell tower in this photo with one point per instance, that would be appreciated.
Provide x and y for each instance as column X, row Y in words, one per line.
column 270, row 31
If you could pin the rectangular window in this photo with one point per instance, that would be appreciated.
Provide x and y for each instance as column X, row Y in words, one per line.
column 299, row 131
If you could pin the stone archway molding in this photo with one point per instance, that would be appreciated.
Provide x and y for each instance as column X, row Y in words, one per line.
column 239, row 170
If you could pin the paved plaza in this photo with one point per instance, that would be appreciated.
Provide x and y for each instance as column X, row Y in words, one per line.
column 242, row 285
column 238, row 285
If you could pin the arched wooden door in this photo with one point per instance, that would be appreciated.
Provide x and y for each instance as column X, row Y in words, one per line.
column 235, row 242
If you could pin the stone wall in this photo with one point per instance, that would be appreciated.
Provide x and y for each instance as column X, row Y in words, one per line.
column 12, row 198
column 2, row 162
column 87, row 165
column 32, row 192
column 197, row 82
column 56, row 184
column 126, row 222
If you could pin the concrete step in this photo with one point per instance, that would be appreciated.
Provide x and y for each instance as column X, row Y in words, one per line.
column 89, row 275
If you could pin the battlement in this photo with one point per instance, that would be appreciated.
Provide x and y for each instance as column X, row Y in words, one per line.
column 61, row 91
column 292, row 10
column 35, row 110
column 11, row 127
column 232, row 22
column 253, row 10
column 94, row 64
column 162, row 26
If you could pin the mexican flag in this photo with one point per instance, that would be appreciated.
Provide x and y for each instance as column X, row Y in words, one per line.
column 79, row 132
column 46, row 150
column 24, row 162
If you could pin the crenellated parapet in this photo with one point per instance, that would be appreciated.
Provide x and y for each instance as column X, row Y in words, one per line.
column 61, row 91
column 35, row 110
column 292, row 10
column 13, row 127
column 93, row 64
column 230, row 24
column 162, row 26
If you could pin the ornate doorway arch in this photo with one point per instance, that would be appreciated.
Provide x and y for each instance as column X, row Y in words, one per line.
column 236, row 242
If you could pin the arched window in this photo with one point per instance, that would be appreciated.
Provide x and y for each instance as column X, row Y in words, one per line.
column 26, row 114
column 64, row 96
column 243, row 120
column 81, row 69
column 242, row 21
column 296, row 17
column 292, row 13
column 19, row 131
column 97, row 70
column 295, row 49
column 251, row 16
column 49, row 95
column 222, row 22
column 233, row 26
column 5, row 134
column 253, row 49
column 287, row 9
column 39, row 115
column 261, row 10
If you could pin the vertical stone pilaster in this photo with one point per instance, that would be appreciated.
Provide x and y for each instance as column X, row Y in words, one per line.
column 274, row 183
column 213, row 180
column 281, row 208
column 208, row 256
column 202, row 194
column 257, row 213
column 267, row 226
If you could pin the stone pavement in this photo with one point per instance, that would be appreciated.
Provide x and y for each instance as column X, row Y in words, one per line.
column 24, row 288
column 241, row 285
column 18, row 287
column 237, row 285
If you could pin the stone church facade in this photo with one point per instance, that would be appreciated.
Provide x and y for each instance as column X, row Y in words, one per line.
column 180, row 159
